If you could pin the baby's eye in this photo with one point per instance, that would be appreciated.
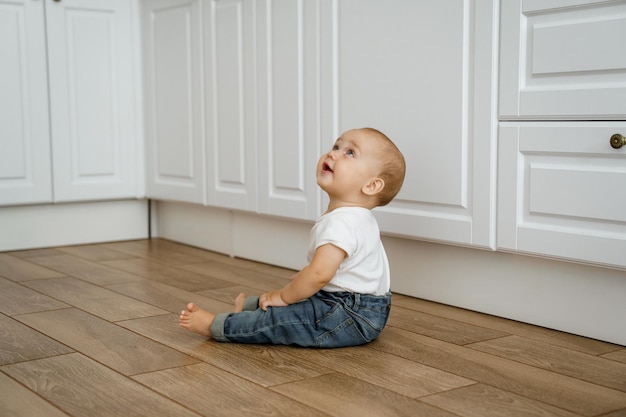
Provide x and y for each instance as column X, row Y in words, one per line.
column 335, row 147
column 350, row 152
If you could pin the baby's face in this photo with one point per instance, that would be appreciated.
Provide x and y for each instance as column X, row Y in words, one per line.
column 350, row 164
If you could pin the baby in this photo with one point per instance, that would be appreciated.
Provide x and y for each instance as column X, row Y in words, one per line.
column 342, row 297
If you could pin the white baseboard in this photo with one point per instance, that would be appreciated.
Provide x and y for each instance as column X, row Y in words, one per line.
column 30, row 227
column 570, row 297
column 267, row 239
column 574, row 298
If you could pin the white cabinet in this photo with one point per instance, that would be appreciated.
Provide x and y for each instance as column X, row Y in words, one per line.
column 562, row 191
column 24, row 120
column 560, row 182
column 282, row 79
column 93, row 100
column 563, row 60
column 289, row 105
column 423, row 72
column 232, row 104
column 230, row 94
column 173, row 80
column 91, row 134
column 261, row 89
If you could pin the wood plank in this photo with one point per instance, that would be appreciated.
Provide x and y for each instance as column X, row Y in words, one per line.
column 278, row 271
column 111, row 345
column 99, row 301
column 82, row 387
column 440, row 359
column 176, row 277
column 17, row 269
column 176, row 254
column 238, row 275
column 582, row 366
column 551, row 388
column 541, row 334
column 198, row 254
column 17, row 299
column 264, row 365
column 481, row 400
column 19, row 343
column 384, row 370
column 95, row 253
column 18, row 401
column 225, row 259
column 202, row 255
column 211, row 391
column 93, row 272
column 33, row 253
column 618, row 355
column 152, row 250
column 618, row 413
column 448, row 330
column 170, row 298
column 329, row 393
column 228, row 294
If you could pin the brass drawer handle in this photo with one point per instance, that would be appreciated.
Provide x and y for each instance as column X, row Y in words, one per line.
column 617, row 141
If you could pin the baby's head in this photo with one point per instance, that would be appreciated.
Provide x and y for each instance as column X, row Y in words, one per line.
column 363, row 168
column 392, row 166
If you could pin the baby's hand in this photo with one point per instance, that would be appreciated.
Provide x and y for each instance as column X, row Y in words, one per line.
column 271, row 299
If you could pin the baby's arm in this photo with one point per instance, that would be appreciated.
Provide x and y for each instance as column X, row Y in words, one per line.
column 309, row 280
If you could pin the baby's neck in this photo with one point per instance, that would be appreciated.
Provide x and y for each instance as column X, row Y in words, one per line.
column 332, row 205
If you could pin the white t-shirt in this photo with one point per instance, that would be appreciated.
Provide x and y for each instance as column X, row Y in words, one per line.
column 354, row 229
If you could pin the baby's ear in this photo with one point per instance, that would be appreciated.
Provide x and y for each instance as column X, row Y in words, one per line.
column 373, row 186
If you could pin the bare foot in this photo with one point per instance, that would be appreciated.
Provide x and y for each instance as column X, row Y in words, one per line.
column 239, row 301
column 196, row 319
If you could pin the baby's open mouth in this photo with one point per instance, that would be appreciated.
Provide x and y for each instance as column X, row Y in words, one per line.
column 326, row 168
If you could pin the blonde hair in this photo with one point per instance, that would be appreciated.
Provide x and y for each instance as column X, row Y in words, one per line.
column 392, row 167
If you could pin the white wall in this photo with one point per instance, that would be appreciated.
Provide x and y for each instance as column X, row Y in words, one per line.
column 39, row 226
column 571, row 297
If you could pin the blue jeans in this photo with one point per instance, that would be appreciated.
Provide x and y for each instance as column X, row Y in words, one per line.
column 325, row 320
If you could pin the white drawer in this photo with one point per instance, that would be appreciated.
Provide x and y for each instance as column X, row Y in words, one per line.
column 563, row 59
column 562, row 190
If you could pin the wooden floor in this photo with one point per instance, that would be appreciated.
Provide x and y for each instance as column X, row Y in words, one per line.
column 92, row 331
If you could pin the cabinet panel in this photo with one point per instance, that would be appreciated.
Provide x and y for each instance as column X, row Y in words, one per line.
column 289, row 128
column 561, row 191
column 439, row 111
column 173, row 94
column 563, row 61
column 24, row 136
column 230, row 76
column 92, row 100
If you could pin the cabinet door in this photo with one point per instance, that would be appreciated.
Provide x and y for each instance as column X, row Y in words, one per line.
column 231, row 115
column 25, row 175
column 173, row 99
column 93, row 99
column 563, row 59
column 289, row 123
column 561, row 191
column 423, row 72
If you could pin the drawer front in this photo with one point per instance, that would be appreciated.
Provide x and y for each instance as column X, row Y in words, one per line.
column 562, row 191
column 563, row 60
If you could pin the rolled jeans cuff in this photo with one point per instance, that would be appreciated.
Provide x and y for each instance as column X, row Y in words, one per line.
column 217, row 328
column 251, row 303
